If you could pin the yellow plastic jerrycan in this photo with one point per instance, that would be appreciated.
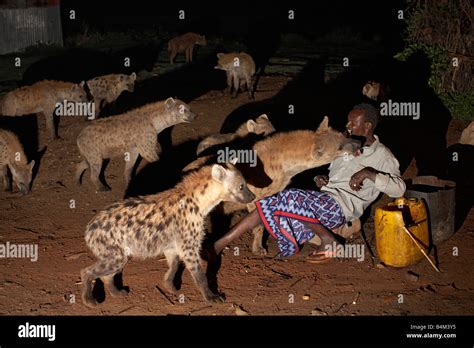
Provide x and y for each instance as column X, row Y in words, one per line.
column 394, row 246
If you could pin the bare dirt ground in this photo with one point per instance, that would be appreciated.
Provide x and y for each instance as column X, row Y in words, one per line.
column 258, row 285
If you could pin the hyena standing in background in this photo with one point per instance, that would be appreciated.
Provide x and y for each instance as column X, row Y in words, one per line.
column 261, row 126
column 128, row 135
column 42, row 97
column 240, row 70
column 185, row 43
column 13, row 157
column 169, row 223
column 106, row 89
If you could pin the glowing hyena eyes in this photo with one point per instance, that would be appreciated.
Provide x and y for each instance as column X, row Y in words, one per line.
column 241, row 187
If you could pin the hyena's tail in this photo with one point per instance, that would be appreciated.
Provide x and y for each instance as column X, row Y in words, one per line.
column 81, row 167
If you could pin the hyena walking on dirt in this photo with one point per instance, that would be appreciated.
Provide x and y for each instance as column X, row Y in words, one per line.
column 42, row 97
column 106, row 89
column 13, row 157
column 185, row 43
column 240, row 70
column 284, row 155
column 169, row 223
column 129, row 135
column 261, row 126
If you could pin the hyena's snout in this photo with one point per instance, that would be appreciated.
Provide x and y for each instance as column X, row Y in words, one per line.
column 351, row 145
column 246, row 196
column 24, row 189
column 190, row 116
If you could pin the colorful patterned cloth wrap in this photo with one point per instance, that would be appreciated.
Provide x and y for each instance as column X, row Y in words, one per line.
column 283, row 214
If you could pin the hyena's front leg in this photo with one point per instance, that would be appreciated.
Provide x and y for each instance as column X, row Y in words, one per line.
column 95, row 166
column 236, row 85
column 191, row 53
column 6, row 180
column 229, row 82
column 172, row 56
column 200, row 279
column 50, row 126
column 97, row 107
column 130, row 160
column 148, row 147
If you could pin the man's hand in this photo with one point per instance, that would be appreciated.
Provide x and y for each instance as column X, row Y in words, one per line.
column 321, row 180
column 358, row 178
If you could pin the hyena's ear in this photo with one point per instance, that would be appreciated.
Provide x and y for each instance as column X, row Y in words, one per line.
column 82, row 84
column 31, row 165
column 234, row 161
column 220, row 55
column 218, row 172
column 169, row 103
column 251, row 126
column 317, row 151
column 263, row 117
column 324, row 125
column 133, row 76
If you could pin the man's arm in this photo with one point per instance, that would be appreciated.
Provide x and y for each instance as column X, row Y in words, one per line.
column 387, row 180
column 390, row 184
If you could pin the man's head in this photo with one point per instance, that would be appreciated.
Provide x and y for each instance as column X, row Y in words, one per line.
column 362, row 120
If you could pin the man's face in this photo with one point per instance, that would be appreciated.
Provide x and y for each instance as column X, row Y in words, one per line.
column 356, row 123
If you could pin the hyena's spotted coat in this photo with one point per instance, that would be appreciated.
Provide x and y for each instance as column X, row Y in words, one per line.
column 13, row 157
column 42, row 97
column 169, row 223
column 106, row 89
column 128, row 135
column 185, row 43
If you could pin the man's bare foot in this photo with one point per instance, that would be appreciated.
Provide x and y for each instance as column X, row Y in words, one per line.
column 329, row 244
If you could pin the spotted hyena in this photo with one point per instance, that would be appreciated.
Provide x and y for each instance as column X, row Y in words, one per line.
column 169, row 223
column 13, row 157
column 128, row 135
column 185, row 43
column 281, row 156
column 106, row 89
column 240, row 70
column 261, row 126
column 42, row 97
